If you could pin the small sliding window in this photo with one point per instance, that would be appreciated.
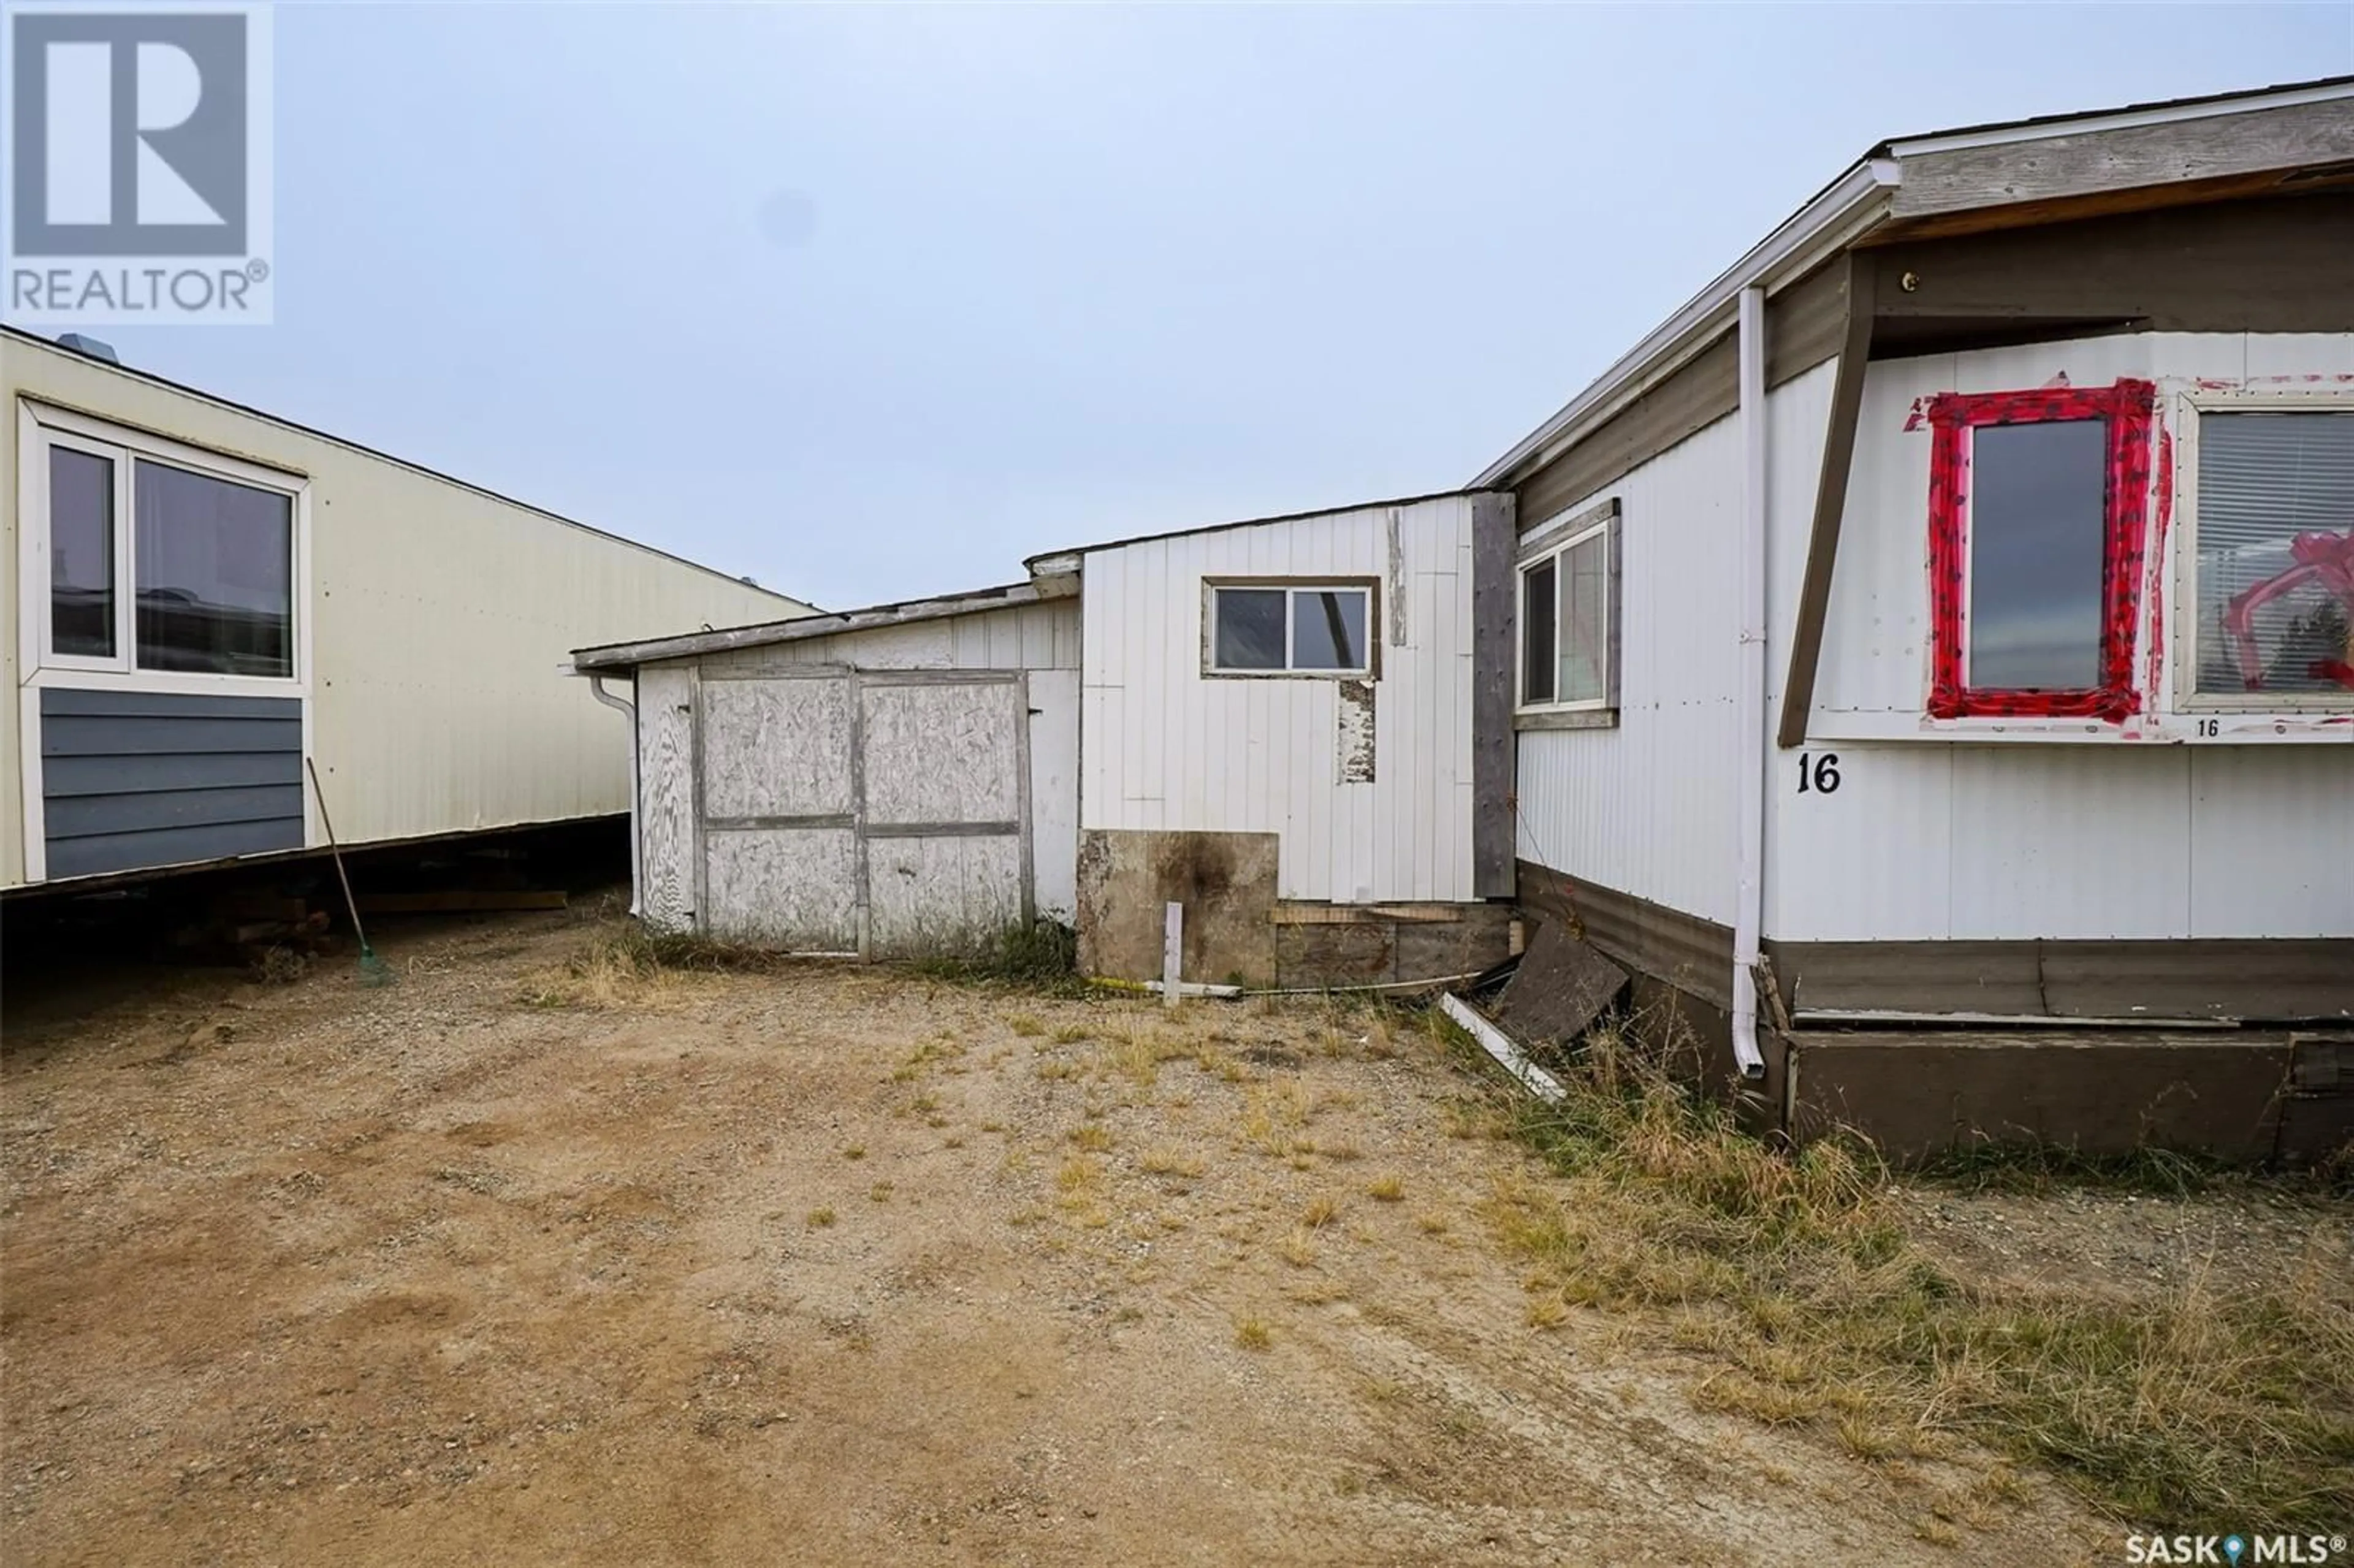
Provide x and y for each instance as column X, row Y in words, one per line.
column 1267, row 627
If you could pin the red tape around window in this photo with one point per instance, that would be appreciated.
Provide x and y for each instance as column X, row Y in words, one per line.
column 2129, row 407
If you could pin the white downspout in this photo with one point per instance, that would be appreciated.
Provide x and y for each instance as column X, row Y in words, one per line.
column 1749, row 706
column 629, row 710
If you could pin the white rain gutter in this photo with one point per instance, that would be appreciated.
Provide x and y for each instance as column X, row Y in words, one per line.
column 1749, row 782
column 629, row 710
column 1843, row 210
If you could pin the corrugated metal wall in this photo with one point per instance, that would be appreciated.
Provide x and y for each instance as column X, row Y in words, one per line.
column 1166, row 749
column 1646, row 807
column 1929, row 839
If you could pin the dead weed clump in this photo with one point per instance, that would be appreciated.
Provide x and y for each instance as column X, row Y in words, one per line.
column 2189, row 1405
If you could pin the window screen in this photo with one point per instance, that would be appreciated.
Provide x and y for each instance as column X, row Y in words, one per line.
column 2275, row 585
column 2038, row 502
column 81, row 553
column 1537, row 612
column 215, row 566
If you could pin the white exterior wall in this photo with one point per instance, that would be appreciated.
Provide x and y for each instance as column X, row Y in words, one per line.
column 1648, row 807
column 1164, row 747
column 439, row 618
column 2090, row 837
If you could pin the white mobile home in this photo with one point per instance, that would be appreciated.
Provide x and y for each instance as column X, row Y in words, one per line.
column 1935, row 660
column 202, row 596
column 1275, row 723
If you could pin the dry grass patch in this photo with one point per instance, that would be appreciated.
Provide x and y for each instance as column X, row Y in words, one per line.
column 1386, row 1188
column 2189, row 1406
column 1094, row 1139
column 1321, row 1211
column 819, row 1218
column 1027, row 1024
column 1251, row 1333
column 1162, row 1159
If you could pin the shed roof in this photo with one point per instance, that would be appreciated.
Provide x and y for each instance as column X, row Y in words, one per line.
column 834, row 624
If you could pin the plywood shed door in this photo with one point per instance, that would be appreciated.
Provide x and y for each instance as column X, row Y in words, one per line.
column 945, row 773
column 779, row 810
column 877, row 813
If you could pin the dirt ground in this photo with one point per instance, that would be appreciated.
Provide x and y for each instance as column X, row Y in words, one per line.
column 505, row 1264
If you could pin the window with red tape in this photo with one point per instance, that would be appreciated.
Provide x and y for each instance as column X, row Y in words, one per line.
column 2051, row 589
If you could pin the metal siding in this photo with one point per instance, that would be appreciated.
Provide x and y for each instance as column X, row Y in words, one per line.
column 1167, row 749
column 472, row 725
column 143, row 780
column 1647, row 807
column 1934, row 840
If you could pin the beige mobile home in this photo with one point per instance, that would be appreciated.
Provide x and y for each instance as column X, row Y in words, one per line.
column 202, row 596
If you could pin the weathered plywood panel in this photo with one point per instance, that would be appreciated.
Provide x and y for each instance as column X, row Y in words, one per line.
column 941, row 895
column 795, row 888
column 2122, row 157
column 776, row 748
column 943, row 752
column 666, row 823
column 1226, row 881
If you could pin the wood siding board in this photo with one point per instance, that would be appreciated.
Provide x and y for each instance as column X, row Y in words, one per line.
column 2212, row 147
column 2101, row 1092
column 63, row 778
column 85, row 816
column 2268, row 265
column 133, row 781
column 1494, row 652
column 2265, row 980
column 1854, row 351
column 181, row 846
column 1805, row 323
column 1691, row 953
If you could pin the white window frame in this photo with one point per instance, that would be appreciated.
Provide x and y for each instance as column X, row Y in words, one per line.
column 1553, row 542
column 1292, row 588
column 2189, row 405
column 40, row 427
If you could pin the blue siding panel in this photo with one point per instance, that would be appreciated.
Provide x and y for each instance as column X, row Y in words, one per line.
column 133, row 780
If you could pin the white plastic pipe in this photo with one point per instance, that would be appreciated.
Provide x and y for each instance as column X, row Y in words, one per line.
column 1749, row 704
column 629, row 710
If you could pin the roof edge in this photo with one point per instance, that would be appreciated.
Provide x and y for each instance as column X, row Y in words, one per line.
column 23, row 334
column 1030, row 560
column 800, row 629
column 1838, row 213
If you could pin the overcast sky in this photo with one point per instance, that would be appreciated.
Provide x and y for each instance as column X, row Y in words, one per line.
column 869, row 304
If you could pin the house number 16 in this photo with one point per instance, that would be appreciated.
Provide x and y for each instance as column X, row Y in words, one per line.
column 1818, row 772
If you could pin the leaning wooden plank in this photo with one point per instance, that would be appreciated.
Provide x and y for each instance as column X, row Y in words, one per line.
column 1497, row 1044
column 460, row 899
